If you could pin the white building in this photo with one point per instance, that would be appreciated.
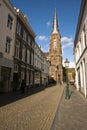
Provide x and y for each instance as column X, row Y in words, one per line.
column 80, row 50
column 41, row 67
column 7, row 39
column 46, row 71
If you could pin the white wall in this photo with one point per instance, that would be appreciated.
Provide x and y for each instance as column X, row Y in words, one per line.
column 5, row 9
column 81, row 55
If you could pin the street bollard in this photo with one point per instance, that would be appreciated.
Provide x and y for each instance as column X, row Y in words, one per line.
column 67, row 93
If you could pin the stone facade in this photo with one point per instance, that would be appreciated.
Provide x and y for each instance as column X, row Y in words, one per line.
column 55, row 53
column 71, row 75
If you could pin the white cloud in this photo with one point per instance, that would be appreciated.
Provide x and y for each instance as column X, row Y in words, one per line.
column 66, row 42
column 72, row 65
column 45, row 48
column 66, row 39
column 48, row 23
column 42, row 38
column 67, row 45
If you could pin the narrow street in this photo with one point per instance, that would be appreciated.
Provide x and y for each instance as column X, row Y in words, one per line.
column 35, row 112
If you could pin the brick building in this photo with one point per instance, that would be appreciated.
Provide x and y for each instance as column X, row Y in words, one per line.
column 55, row 52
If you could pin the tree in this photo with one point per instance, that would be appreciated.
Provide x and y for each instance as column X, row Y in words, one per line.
column 64, row 74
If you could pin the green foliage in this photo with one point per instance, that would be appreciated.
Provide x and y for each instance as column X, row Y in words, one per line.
column 64, row 74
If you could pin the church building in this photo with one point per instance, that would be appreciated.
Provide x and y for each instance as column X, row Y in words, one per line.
column 55, row 52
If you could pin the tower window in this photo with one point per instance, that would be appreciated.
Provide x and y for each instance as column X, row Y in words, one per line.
column 54, row 44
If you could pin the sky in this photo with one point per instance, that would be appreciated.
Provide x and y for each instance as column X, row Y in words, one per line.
column 40, row 16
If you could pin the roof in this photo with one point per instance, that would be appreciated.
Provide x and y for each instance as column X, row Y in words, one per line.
column 82, row 8
column 55, row 24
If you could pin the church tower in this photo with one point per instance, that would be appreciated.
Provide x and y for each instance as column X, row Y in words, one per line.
column 55, row 52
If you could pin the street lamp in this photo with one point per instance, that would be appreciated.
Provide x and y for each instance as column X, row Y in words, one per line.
column 66, row 63
column 67, row 86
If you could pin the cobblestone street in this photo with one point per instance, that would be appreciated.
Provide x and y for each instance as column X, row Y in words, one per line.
column 35, row 112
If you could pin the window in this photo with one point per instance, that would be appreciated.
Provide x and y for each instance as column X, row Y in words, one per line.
column 28, row 56
column 8, row 44
column 17, row 47
column 32, row 44
column 22, row 75
column 23, row 52
column 29, row 40
column 80, row 47
column 15, row 68
column 18, row 28
column 24, row 35
column 32, row 58
column 84, row 37
column 55, row 44
column 9, row 22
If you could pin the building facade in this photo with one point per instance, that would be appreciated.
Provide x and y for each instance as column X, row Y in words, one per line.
column 55, row 52
column 7, row 41
column 41, row 65
column 37, row 65
column 68, row 73
column 24, row 51
column 20, row 56
column 80, row 50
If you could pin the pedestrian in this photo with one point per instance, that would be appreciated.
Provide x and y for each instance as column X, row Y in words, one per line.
column 23, row 85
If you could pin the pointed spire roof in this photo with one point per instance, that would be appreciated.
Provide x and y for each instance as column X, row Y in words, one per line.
column 55, row 24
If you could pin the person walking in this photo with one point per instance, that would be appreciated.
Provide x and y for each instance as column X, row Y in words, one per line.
column 23, row 85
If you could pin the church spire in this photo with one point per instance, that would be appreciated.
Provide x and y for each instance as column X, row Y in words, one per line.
column 55, row 24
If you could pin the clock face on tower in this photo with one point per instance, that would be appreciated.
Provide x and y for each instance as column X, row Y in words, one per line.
column 55, row 44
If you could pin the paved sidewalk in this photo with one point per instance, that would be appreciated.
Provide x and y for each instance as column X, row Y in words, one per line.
column 6, row 98
column 72, row 113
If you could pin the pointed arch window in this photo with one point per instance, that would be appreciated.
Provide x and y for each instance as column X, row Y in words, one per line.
column 55, row 44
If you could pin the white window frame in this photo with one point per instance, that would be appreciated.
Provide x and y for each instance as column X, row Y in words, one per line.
column 17, row 47
column 23, row 52
column 8, row 45
column 10, row 22
column 28, row 56
column 24, row 35
column 29, row 40
column 18, row 28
